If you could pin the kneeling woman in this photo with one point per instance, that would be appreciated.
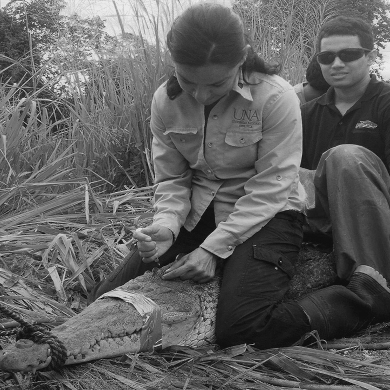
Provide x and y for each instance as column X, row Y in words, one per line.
column 226, row 152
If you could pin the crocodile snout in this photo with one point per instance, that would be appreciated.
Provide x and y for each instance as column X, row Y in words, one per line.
column 24, row 344
column 25, row 356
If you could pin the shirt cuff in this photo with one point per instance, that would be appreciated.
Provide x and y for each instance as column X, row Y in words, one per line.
column 221, row 243
column 170, row 221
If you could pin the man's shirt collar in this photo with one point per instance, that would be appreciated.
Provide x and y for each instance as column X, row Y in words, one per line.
column 371, row 90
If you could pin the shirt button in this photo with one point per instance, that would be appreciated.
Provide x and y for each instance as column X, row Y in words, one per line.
column 229, row 248
column 209, row 171
column 209, row 144
column 215, row 116
column 242, row 140
column 280, row 262
column 212, row 193
column 278, row 177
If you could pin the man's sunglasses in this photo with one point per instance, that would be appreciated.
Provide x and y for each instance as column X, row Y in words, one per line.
column 345, row 55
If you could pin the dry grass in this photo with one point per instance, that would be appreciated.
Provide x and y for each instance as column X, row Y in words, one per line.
column 240, row 367
column 48, row 263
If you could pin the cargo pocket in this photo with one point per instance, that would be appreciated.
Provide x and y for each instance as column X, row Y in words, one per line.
column 275, row 258
column 267, row 275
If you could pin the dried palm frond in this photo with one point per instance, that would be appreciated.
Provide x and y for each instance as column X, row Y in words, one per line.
column 30, row 291
column 239, row 367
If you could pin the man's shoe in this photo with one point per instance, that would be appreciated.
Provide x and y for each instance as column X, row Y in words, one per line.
column 372, row 288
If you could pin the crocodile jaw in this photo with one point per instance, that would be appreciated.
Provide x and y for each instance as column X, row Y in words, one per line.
column 26, row 356
column 107, row 328
column 112, row 347
column 111, row 327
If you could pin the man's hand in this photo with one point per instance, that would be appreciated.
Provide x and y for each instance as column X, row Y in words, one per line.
column 199, row 266
column 153, row 241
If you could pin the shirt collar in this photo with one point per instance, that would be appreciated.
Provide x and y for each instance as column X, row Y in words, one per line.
column 241, row 87
column 371, row 90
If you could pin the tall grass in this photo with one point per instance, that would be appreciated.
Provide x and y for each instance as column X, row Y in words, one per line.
column 106, row 123
column 101, row 137
column 101, row 133
column 105, row 128
column 60, row 177
column 284, row 31
column 65, row 172
column 113, row 110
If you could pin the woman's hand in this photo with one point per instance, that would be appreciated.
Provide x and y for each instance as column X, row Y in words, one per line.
column 199, row 266
column 153, row 241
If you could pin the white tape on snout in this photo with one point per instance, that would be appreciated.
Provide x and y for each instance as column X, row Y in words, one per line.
column 151, row 332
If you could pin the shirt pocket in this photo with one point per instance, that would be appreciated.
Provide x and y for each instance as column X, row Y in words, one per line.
column 369, row 137
column 241, row 147
column 187, row 141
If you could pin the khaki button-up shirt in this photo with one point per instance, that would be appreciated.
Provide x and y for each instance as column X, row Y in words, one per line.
column 246, row 160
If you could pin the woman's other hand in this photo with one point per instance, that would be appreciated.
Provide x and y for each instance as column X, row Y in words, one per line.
column 199, row 266
column 153, row 241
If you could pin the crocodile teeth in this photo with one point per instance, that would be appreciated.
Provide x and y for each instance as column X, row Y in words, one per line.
column 104, row 344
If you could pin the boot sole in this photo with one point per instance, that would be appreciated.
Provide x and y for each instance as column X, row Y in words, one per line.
column 374, row 274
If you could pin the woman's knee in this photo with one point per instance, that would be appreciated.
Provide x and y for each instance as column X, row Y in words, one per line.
column 232, row 328
column 275, row 325
column 243, row 319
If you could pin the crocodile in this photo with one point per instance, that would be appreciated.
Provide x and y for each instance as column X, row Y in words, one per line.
column 145, row 314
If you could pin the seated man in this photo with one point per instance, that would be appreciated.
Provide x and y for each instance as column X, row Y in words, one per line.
column 315, row 84
column 346, row 140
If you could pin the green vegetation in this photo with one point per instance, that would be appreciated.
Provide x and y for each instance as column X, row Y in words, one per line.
column 75, row 106
column 68, row 86
column 76, row 173
column 90, row 95
column 75, row 150
column 284, row 31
